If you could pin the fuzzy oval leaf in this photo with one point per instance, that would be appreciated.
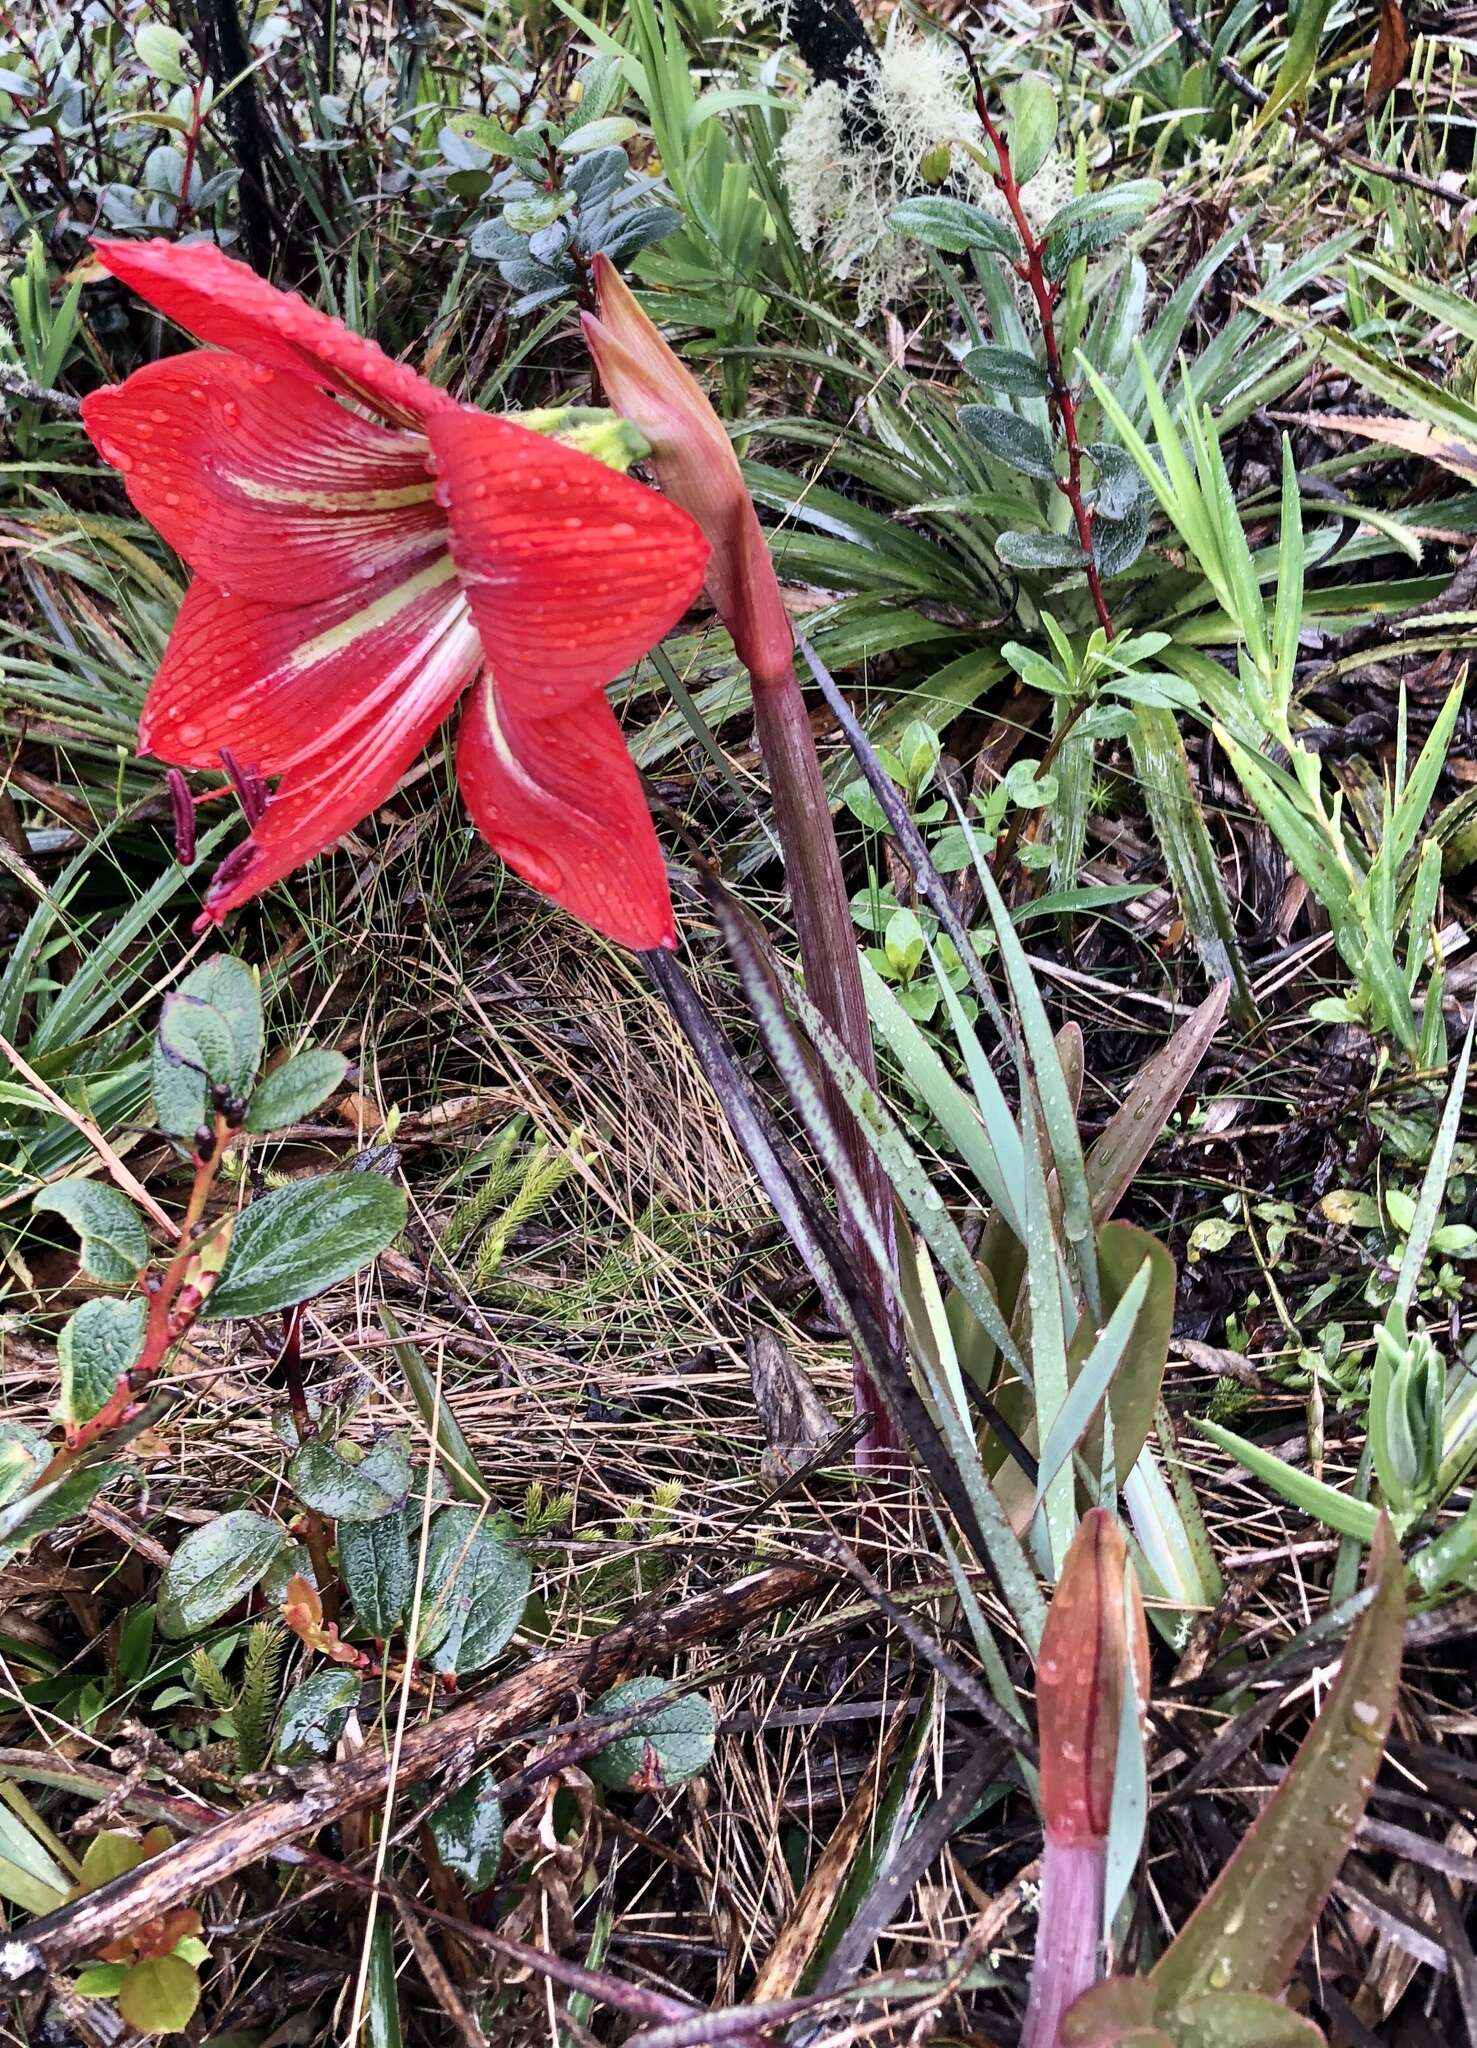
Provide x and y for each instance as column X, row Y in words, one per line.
column 468, row 1832
column 1006, row 369
column 1030, row 123
column 29, row 1515
column 473, row 1595
column 603, row 134
column 313, row 1716
column 953, row 225
column 302, row 1239
column 1095, row 219
column 375, row 1560
column 673, row 1743
column 159, row 1996
column 291, row 1562
column 1019, row 444
column 179, row 1089
column 1118, row 543
column 348, row 1489
column 1248, row 1931
column 23, row 1456
column 194, row 1033
column 293, row 1090
column 230, row 987
column 215, row 1566
column 1020, row 550
column 114, row 1242
column 159, row 50
column 94, row 1349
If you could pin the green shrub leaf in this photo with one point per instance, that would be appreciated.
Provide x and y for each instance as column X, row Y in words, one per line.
column 159, row 1996
column 303, row 1239
column 293, row 1090
column 349, row 1488
column 473, row 1595
column 313, row 1715
column 215, row 1566
column 468, row 1832
column 375, row 1560
column 1018, row 443
column 1030, row 123
column 29, row 1515
column 1009, row 370
column 23, row 1456
column 114, row 1242
column 953, row 225
column 96, row 1346
column 674, row 1742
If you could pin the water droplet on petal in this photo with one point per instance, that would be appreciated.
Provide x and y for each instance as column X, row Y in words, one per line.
column 191, row 734
column 230, row 412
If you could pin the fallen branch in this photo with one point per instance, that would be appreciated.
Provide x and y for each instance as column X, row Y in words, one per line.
column 453, row 1743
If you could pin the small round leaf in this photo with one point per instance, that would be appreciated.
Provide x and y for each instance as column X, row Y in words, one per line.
column 468, row 1832
column 214, row 1567
column 313, row 1715
column 673, row 1743
column 159, row 1996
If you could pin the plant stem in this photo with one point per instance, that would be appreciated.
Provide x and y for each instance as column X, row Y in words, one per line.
column 1046, row 294
column 167, row 1322
column 315, row 1528
column 1069, row 1935
column 828, row 955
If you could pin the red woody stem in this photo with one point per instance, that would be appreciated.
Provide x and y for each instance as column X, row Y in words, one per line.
column 1046, row 293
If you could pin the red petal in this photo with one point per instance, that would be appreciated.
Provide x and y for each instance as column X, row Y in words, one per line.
column 573, row 570
column 221, row 301
column 334, row 784
column 260, row 481
column 560, row 800
column 280, row 684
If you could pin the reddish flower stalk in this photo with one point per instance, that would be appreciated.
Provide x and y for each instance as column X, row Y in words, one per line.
column 1046, row 294
column 364, row 566
column 1095, row 1635
column 696, row 466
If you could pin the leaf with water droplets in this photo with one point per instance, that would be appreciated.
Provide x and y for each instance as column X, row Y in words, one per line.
column 1248, row 1932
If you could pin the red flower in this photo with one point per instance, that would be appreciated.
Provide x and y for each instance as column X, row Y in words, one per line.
column 354, row 576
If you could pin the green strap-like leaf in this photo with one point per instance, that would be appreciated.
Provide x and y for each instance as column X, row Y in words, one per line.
column 1248, row 1932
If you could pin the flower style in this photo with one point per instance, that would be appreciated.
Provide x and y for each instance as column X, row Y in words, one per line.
column 355, row 576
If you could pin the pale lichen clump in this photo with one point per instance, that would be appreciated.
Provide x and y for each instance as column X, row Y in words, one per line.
column 853, row 153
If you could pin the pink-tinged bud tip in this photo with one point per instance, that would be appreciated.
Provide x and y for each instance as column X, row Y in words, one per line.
column 1095, row 1632
column 696, row 467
